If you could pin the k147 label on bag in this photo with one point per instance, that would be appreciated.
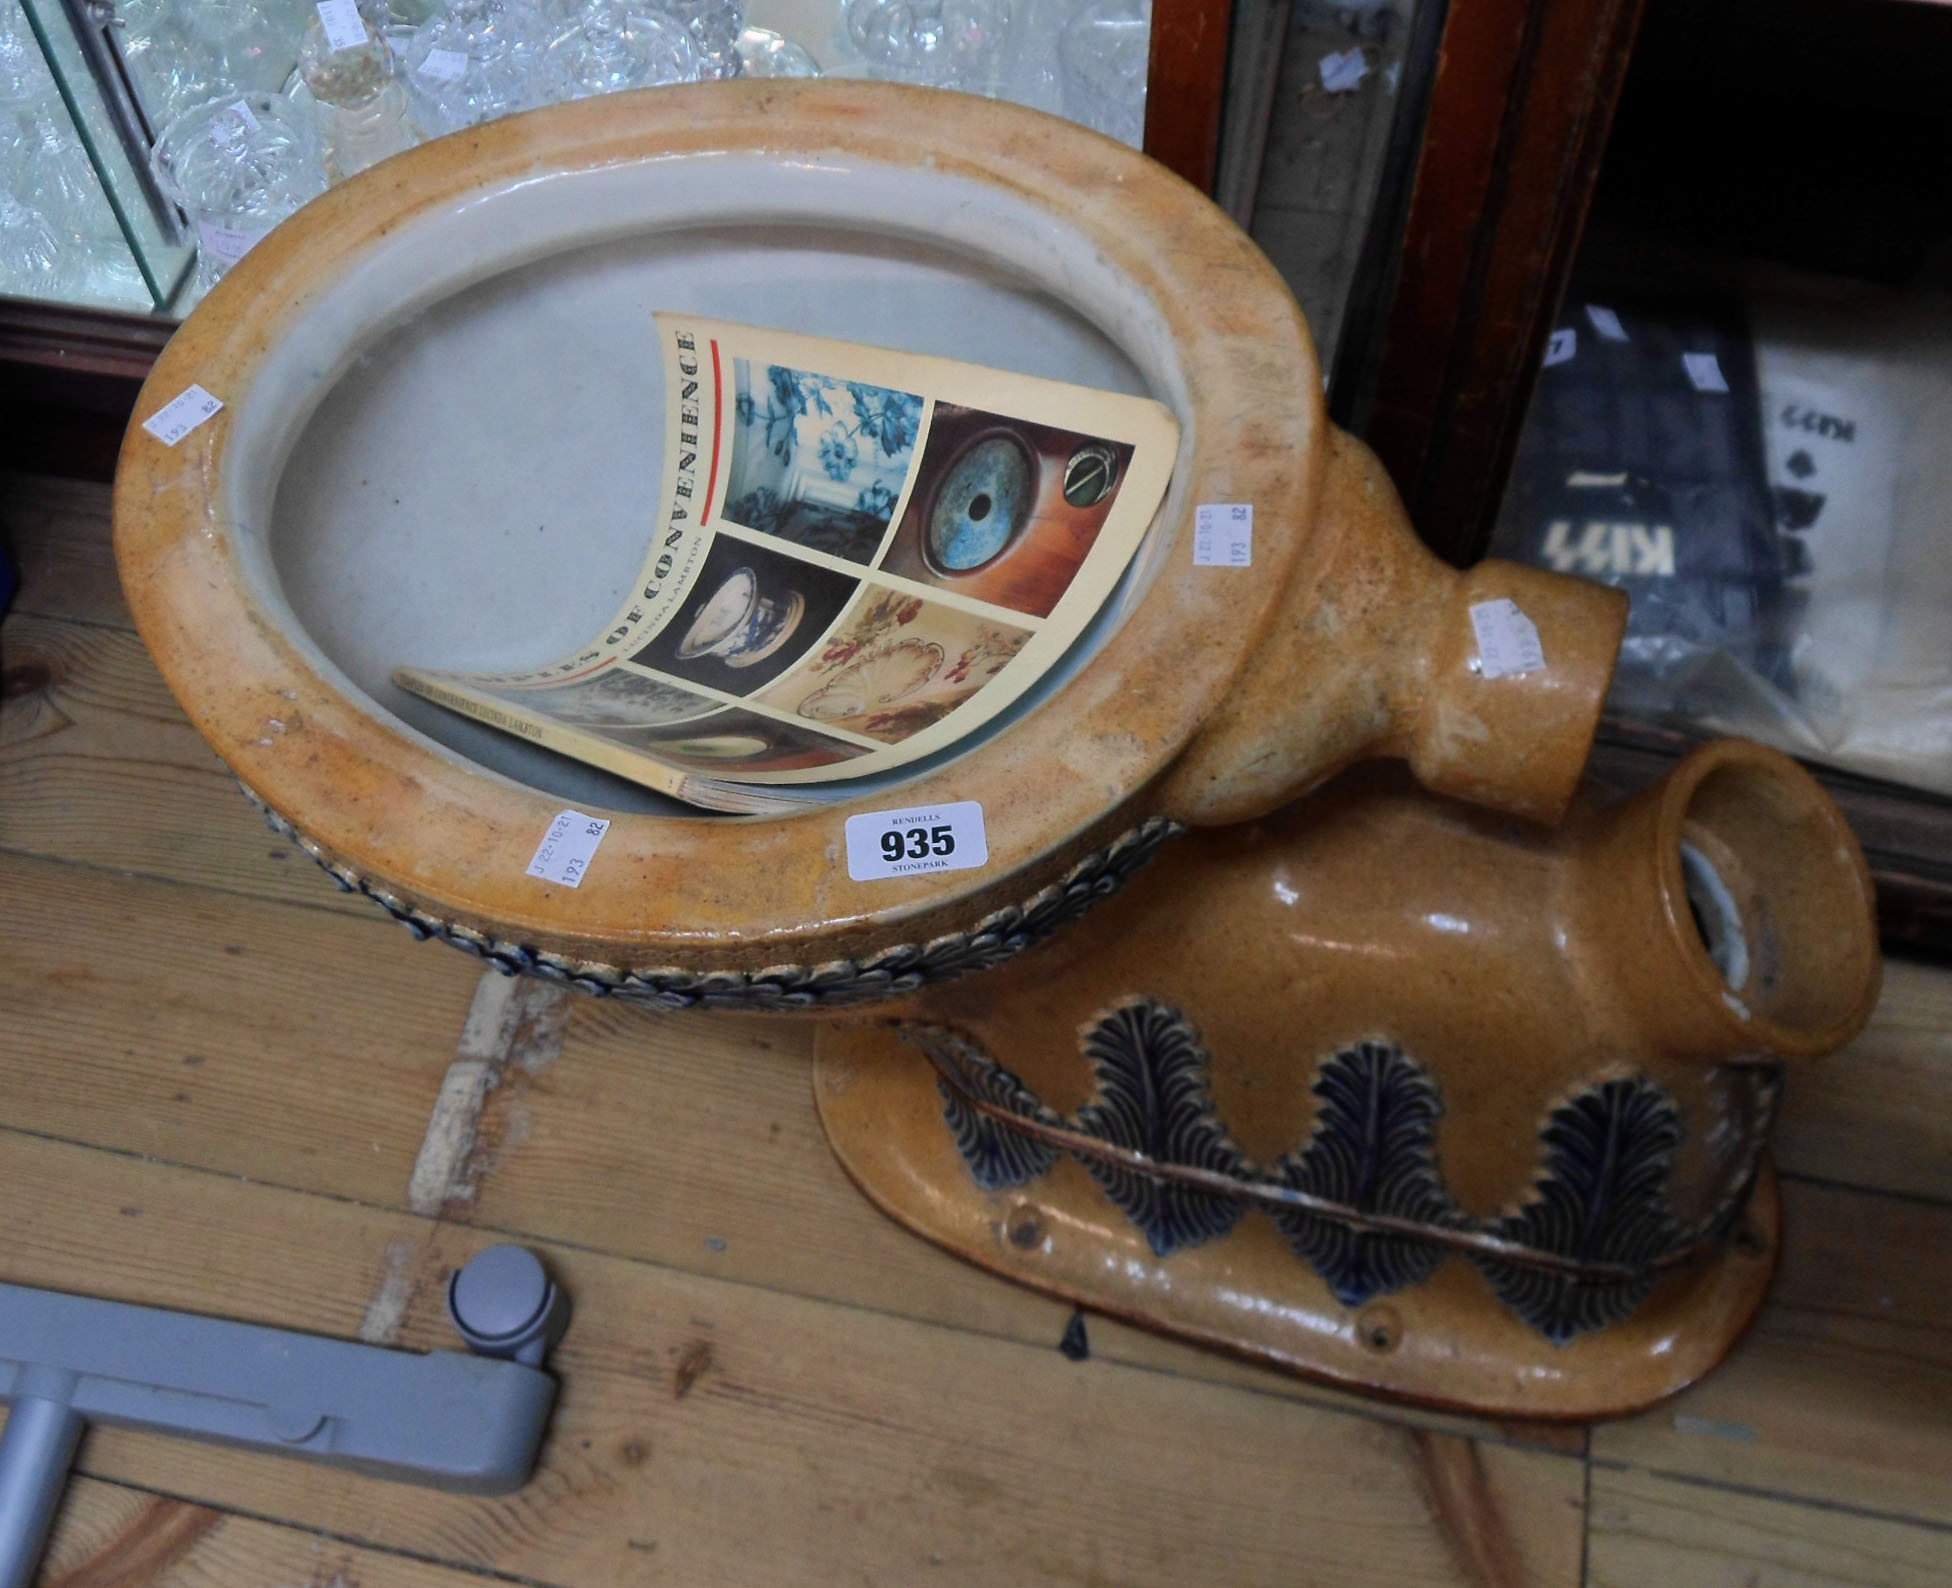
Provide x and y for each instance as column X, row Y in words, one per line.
column 1223, row 535
column 906, row 843
column 566, row 850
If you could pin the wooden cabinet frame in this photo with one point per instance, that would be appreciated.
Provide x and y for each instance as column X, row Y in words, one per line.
column 1520, row 106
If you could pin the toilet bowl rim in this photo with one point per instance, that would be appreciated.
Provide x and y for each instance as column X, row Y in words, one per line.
column 414, row 822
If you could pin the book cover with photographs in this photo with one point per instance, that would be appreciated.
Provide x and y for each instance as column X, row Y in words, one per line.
column 860, row 558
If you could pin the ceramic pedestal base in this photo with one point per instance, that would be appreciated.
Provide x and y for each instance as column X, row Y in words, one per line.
column 1447, row 1342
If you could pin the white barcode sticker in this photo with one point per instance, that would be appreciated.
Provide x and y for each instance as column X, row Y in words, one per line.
column 442, row 66
column 1561, row 346
column 1705, row 371
column 906, row 843
column 345, row 28
column 1607, row 323
column 227, row 243
column 566, row 850
column 1223, row 535
column 173, row 421
column 243, row 112
column 1508, row 641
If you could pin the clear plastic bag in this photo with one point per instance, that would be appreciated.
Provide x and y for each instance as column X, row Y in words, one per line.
column 1770, row 478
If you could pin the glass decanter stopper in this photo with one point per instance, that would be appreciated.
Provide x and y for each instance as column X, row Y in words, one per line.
column 608, row 45
column 237, row 166
column 714, row 26
column 943, row 43
column 345, row 63
column 764, row 53
column 470, row 62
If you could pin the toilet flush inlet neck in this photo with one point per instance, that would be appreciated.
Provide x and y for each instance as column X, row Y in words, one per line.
column 1734, row 909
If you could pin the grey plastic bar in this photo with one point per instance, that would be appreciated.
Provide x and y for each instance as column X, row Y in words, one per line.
column 446, row 1418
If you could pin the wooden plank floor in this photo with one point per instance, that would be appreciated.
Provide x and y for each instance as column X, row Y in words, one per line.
column 217, row 1077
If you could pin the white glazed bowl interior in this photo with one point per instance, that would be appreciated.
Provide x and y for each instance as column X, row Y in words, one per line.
column 454, row 451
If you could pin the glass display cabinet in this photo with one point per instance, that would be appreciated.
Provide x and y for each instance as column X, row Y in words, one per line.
column 150, row 143
column 110, row 230
column 1300, row 117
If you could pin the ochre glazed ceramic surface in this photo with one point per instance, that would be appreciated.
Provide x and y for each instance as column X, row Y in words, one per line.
column 1397, row 1092
column 1406, row 1093
column 396, row 362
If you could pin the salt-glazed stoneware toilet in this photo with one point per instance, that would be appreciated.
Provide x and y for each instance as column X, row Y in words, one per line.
column 1419, row 1094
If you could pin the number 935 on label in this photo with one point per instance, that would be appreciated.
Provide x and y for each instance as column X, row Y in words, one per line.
column 923, row 838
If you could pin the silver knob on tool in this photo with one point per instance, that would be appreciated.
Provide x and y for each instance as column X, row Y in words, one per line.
column 504, row 1304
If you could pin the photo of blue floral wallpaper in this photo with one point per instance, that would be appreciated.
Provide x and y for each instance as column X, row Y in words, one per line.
column 817, row 460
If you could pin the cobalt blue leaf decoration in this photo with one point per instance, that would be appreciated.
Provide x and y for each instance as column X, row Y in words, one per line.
column 1153, row 1099
column 1374, row 1150
column 1602, row 1198
column 998, row 1156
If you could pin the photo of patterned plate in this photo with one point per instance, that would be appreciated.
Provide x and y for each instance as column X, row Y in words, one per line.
column 879, row 678
column 717, row 746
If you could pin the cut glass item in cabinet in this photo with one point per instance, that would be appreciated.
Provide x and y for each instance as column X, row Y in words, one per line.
column 237, row 166
column 610, row 45
column 1102, row 56
column 1772, row 489
column 368, row 78
column 714, row 26
column 942, row 43
column 64, row 161
column 179, row 55
column 24, row 77
column 360, row 106
column 473, row 61
column 37, row 266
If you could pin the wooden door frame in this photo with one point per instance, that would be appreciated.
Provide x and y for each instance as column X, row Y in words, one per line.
column 1521, row 102
column 1186, row 85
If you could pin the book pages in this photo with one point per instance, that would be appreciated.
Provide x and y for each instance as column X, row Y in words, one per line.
column 860, row 558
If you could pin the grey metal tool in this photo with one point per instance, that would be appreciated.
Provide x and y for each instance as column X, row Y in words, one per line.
column 456, row 1420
